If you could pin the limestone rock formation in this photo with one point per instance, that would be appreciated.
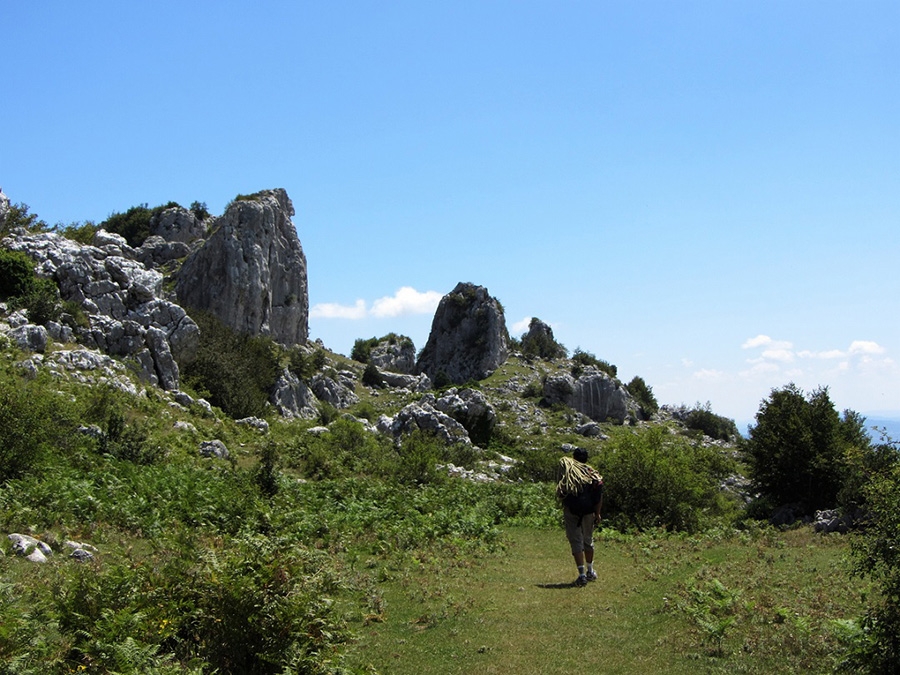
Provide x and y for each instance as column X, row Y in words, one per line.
column 251, row 271
column 292, row 398
column 468, row 339
column 594, row 394
column 121, row 298
column 423, row 416
column 4, row 209
column 394, row 355
column 470, row 408
column 539, row 341
column 177, row 224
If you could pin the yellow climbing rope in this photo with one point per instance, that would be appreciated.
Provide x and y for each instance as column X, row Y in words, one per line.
column 574, row 476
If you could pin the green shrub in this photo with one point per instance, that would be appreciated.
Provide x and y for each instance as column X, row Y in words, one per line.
column 876, row 553
column 654, row 479
column 541, row 345
column 26, row 427
column 238, row 371
column 702, row 418
column 583, row 359
column 83, row 233
column 371, row 376
column 18, row 216
column 797, row 449
column 41, row 301
column 266, row 474
column 304, row 365
column 134, row 224
column 200, row 211
column 16, row 273
column 643, row 394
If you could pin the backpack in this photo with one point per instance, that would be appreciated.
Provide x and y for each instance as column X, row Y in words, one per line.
column 585, row 500
column 580, row 487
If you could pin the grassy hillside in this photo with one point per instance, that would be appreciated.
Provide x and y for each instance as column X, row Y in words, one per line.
column 343, row 552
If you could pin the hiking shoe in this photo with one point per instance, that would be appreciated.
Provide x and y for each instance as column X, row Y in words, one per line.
column 581, row 580
column 592, row 576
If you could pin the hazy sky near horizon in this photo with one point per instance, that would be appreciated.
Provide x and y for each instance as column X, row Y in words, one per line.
column 706, row 194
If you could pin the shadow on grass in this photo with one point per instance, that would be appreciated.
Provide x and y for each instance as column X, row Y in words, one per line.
column 568, row 584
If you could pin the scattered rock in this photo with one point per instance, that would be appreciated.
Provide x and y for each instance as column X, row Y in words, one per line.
column 30, row 548
column 215, row 449
column 254, row 422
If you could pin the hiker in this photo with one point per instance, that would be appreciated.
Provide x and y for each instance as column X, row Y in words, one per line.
column 580, row 489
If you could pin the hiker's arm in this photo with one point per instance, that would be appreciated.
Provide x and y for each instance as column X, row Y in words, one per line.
column 597, row 516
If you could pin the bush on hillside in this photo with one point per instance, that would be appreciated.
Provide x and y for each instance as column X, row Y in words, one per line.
column 372, row 377
column 643, row 394
column 16, row 273
column 797, row 451
column 702, row 418
column 134, row 224
column 18, row 216
column 304, row 365
column 656, row 480
column 83, row 233
column 583, row 359
column 34, row 422
column 234, row 371
column 876, row 554
column 540, row 345
column 20, row 286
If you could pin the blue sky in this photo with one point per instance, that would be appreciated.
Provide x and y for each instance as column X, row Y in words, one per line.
column 706, row 194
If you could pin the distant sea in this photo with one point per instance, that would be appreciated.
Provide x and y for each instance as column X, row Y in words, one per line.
column 891, row 424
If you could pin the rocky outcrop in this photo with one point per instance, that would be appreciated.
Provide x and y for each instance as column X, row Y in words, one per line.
column 468, row 339
column 121, row 299
column 337, row 392
column 292, row 398
column 425, row 417
column 470, row 408
column 394, row 355
column 251, row 271
column 156, row 251
column 4, row 209
column 415, row 383
column 177, row 224
column 594, row 394
column 539, row 341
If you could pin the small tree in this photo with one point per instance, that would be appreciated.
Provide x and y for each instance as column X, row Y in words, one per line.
column 796, row 449
column 876, row 552
column 643, row 394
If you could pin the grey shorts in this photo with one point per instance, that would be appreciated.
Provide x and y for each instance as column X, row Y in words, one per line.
column 579, row 531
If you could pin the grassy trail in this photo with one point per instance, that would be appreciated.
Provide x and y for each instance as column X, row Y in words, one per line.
column 669, row 605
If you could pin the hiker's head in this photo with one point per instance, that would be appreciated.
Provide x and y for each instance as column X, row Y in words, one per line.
column 579, row 455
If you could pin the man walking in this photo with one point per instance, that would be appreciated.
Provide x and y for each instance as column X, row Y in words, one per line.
column 580, row 489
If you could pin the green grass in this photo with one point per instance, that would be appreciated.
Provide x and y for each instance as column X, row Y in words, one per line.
column 762, row 603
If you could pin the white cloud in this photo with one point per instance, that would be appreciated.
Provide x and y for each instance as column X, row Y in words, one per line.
column 865, row 347
column 407, row 300
column 783, row 355
column 828, row 354
column 758, row 341
column 709, row 375
column 520, row 327
column 332, row 310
